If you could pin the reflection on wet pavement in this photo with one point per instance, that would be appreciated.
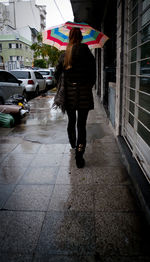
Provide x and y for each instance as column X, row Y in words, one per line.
column 42, row 111
column 52, row 211
column 44, row 124
column 51, row 124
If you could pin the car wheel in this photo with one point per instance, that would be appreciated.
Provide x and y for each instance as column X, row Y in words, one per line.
column 37, row 91
column 1, row 101
column 46, row 89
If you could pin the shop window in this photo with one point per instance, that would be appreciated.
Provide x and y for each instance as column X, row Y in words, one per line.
column 134, row 28
column 134, row 14
column 131, row 120
column 137, row 81
column 132, row 81
column 133, row 69
column 145, row 4
column 145, row 50
column 144, row 133
column 132, row 55
column 133, row 41
column 145, row 33
column 132, row 94
column 145, row 17
column 131, row 107
column 144, row 101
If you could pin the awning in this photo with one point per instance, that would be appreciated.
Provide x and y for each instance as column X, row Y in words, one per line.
column 89, row 11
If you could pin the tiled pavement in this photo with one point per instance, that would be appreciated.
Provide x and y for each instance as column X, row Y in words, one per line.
column 50, row 211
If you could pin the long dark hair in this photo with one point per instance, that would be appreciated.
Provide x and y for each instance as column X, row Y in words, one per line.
column 75, row 37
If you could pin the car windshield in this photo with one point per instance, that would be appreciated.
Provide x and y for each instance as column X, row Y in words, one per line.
column 45, row 73
column 21, row 74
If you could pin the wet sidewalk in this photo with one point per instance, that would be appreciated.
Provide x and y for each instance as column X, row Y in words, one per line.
column 50, row 211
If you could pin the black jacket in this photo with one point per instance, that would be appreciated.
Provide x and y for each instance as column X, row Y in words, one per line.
column 79, row 79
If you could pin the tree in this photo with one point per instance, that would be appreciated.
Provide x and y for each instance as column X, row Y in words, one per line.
column 48, row 53
column 40, row 63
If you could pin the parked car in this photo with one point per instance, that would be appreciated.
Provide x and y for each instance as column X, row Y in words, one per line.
column 52, row 68
column 9, row 85
column 34, row 82
column 48, row 74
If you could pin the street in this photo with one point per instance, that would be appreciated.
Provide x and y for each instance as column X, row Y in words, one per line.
column 52, row 211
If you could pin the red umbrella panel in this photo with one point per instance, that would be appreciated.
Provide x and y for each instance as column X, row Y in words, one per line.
column 59, row 36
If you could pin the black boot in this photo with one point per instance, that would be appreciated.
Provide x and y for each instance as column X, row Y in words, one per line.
column 73, row 144
column 80, row 162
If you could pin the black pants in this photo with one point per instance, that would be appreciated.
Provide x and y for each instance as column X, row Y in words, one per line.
column 78, row 117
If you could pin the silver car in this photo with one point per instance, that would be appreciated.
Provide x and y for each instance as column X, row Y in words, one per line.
column 48, row 74
column 34, row 82
column 9, row 85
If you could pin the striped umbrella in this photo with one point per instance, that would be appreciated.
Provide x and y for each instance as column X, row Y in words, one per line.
column 58, row 36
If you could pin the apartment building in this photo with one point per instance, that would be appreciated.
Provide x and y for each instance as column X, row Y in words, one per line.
column 20, row 21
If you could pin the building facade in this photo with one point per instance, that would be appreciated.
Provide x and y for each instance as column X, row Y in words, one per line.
column 136, row 82
column 23, row 13
column 123, row 70
column 131, row 89
column 123, row 77
column 132, row 86
column 20, row 22
column 15, row 51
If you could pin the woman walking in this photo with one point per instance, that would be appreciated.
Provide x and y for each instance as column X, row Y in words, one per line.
column 78, row 65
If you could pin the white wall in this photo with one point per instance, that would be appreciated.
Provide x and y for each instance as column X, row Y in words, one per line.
column 4, row 16
column 26, row 14
column 25, row 32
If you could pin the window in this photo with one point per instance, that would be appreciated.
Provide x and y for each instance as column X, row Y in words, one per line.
column 13, row 58
column 13, row 45
column 45, row 73
column 1, row 59
column 0, row 47
column 38, row 75
column 51, row 72
column 10, row 78
column 21, row 74
column 137, row 81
